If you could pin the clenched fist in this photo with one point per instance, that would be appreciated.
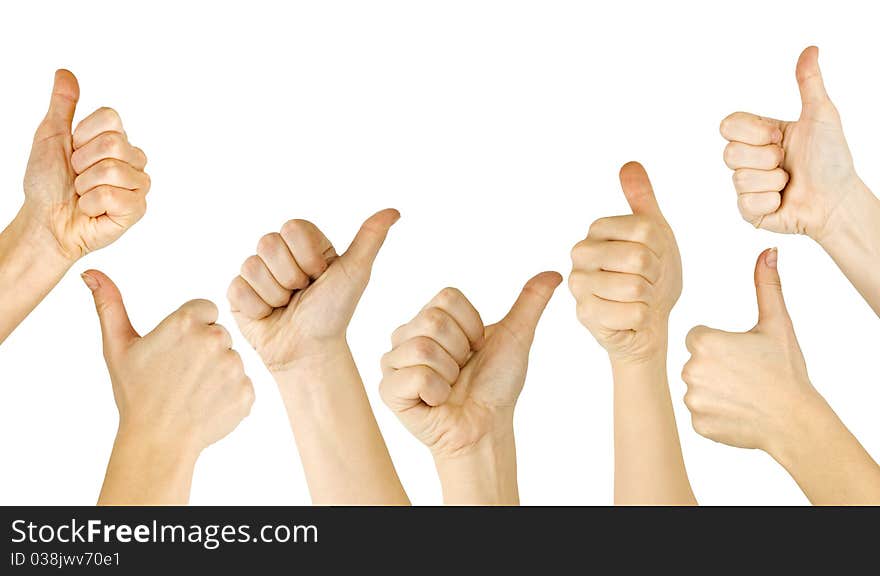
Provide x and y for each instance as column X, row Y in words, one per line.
column 178, row 389
column 746, row 389
column 296, row 296
column 791, row 177
column 453, row 381
column 83, row 188
column 626, row 275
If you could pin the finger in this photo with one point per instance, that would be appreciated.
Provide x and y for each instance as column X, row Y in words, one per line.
column 627, row 229
column 756, row 205
column 638, row 190
column 274, row 252
column 312, row 250
column 423, row 351
column 522, row 319
column 696, row 337
column 771, row 304
column 111, row 172
column 614, row 286
column 747, row 180
column 100, row 121
column 617, row 256
column 62, row 106
column 454, row 303
column 408, row 387
column 200, row 311
column 116, row 328
column 751, row 129
column 121, row 204
column 739, row 155
column 244, row 300
column 440, row 327
column 615, row 315
column 809, row 77
column 220, row 336
column 366, row 244
column 107, row 145
column 256, row 273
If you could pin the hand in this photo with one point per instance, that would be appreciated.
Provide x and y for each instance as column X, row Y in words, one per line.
column 790, row 177
column 745, row 389
column 181, row 386
column 295, row 297
column 626, row 275
column 452, row 381
column 83, row 189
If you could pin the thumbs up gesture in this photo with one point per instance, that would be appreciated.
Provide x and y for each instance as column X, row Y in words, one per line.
column 295, row 297
column 85, row 187
column 454, row 382
column 743, row 388
column 178, row 389
column 626, row 275
column 790, row 177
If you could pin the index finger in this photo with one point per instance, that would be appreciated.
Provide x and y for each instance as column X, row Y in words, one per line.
column 751, row 129
column 99, row 121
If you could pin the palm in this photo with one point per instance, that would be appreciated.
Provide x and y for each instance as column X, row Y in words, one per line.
column 819, row 165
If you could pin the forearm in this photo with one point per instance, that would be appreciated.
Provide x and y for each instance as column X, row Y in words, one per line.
column 144, row 472
column 825, row 459
column 648, row 465
column 484, row 475
column 339, row 442
column 852, row 239
column 29, row 269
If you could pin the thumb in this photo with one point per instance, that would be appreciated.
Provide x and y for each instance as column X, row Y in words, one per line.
column 809, row 78
column 638, row 190
column 370, row 237
column 62, row 106
column 115, row 325
column 526, row 311
column 771, row 304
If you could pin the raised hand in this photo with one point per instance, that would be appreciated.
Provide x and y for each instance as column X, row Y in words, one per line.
column 626, row 275
column 293, row 302
column 296, row 296
column 791, row 176
column 454, row 382
column 744, row 388
column 751, row 390
column 178, row 389
column 83, row 188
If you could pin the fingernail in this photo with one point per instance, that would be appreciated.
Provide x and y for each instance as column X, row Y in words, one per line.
column 90, row 281
column 772, row 257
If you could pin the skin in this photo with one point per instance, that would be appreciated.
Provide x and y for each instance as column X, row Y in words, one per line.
column 178, row 389
column 626, row 277
column 797, row 177
column 453, row 382
column 751, row 390
column 293, row 302
column 83, row 189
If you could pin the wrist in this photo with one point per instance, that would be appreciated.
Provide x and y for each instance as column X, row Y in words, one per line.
column 857, row 203
column 642, row 358
column 308, row 372
column 805, row 418
column 483, row 473
column 26, row 236
column 171, row 451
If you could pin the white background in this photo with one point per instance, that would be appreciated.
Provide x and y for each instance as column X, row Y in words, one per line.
column 497, row 129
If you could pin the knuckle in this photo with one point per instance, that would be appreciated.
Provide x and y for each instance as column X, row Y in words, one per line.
column 701, row 426
column 268, row 244
column 251, row 266
column 449, row 295
column 293, row 227
column 434, row 319
column 423, row 348
column 111, row 144
column 740, row 178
